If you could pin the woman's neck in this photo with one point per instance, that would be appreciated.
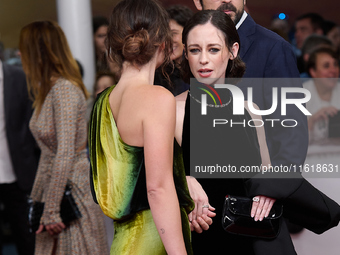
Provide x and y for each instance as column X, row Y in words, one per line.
column 144, row 74
column 54, row 78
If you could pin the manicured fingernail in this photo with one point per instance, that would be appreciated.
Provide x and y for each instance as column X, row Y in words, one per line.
column 261, row 218
column 256, row 218
column 252, row 215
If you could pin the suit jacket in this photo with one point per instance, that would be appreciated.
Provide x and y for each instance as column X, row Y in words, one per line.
column 18, row 111
column 267, row 55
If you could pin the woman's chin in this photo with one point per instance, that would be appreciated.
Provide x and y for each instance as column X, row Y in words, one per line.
column 207, row 81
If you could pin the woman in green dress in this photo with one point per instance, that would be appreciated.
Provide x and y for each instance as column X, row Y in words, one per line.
column 137, row 170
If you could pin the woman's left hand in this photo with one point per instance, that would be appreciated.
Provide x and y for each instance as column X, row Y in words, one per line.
column 55, row 229
column 200, row 199
column 261, row 207
column 201, row 217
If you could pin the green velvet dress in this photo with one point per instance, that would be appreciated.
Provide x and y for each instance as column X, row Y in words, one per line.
column 118, row 173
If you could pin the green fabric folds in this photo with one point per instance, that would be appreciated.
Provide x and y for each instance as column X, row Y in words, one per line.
column 118, row 169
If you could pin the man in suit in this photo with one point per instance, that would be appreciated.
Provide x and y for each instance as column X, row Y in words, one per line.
column 19, row 154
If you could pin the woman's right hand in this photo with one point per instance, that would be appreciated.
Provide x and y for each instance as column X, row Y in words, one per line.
column 52, row 229
column 201, row 217
column 261, row 207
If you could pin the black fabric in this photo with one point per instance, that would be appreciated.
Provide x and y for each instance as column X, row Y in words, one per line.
column 310, row 208
column 303, row 204
column 93, row 192
column 186, row 136
column 16, row 207
column 23, row 149
column 69, row 210
column 176, row 85
column 239, row 149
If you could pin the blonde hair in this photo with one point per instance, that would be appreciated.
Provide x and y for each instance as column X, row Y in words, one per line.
column 45, row 54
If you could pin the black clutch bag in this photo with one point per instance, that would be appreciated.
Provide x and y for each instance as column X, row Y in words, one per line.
column 236, row 219
column 69, row 210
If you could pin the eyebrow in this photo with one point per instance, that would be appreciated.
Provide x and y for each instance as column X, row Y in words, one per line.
column 209, row 45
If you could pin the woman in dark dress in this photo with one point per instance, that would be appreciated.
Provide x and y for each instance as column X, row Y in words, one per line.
column 211, row 50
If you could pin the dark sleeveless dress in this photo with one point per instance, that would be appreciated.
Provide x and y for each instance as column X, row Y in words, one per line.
column 241, row 149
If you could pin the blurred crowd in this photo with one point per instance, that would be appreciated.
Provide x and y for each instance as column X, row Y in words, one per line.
column 316, row 43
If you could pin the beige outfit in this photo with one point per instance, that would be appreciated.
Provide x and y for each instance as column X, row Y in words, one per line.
column 60, row 130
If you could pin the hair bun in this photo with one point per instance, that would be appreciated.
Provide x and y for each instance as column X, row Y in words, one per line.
column 137, row 30
column 135, row 46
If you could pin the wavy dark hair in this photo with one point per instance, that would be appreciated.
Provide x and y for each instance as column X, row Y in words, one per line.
column 222, row 22
column 136, row 30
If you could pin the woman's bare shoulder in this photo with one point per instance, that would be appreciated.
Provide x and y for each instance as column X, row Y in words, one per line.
column 156, row 95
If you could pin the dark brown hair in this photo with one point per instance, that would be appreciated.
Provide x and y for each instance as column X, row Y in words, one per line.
column 315, row 19
column 313, row 56
column 98, row 22
column 180, row 13
column 45, row 53
column 222, row 22
column 101, row 74
column 136, row 30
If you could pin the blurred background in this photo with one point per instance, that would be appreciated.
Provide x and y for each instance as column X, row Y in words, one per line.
column 14, row 14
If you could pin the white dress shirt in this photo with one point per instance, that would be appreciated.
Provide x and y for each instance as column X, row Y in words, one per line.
column 7, row 174
column 244, row 16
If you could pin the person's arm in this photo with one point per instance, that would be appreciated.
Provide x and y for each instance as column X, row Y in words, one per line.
column 158, row 133
column 66, row 100
column 200, row 217
column 262, row 207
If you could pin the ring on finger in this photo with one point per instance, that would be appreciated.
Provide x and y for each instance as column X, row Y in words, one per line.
column 256, row 199
column 205, row 206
